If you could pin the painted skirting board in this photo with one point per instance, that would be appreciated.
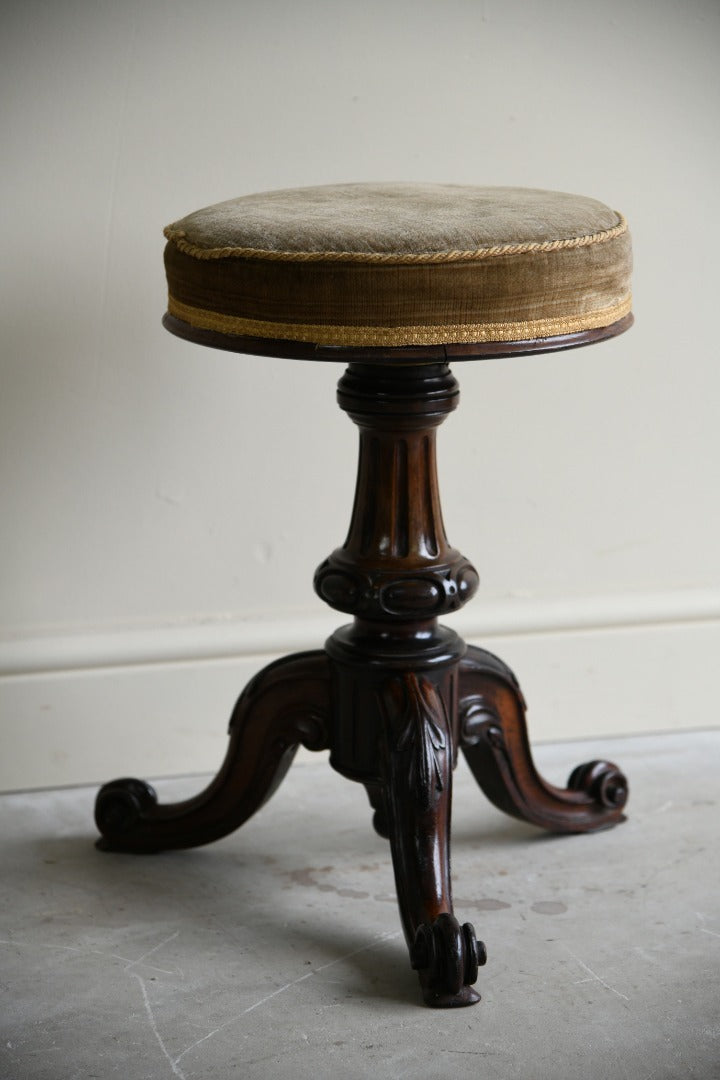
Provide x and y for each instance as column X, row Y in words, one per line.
column 154, row 701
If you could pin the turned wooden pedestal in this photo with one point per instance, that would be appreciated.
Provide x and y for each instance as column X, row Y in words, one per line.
column 393, row 695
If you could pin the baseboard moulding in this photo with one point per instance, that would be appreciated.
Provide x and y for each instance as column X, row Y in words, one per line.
column 76, row 706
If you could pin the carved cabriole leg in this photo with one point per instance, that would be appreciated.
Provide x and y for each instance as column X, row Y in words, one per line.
column 287, row 703
column 394, row 728
column 493, row 736
column 418, row 759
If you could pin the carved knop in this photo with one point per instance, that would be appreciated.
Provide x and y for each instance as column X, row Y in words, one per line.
column 391, row 594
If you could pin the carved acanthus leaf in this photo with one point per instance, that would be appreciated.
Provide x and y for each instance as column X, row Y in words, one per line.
column 423, row 727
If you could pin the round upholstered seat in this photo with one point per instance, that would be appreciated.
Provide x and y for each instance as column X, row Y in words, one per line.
column 474, row 270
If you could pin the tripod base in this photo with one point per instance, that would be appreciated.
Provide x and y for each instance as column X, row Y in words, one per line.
column 401, row 740
column 393, row 696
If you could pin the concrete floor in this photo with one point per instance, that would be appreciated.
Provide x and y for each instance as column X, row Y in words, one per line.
column 277, row 952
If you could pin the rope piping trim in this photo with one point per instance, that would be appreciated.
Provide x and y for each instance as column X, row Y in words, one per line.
column 460, row 333
column 535, row 247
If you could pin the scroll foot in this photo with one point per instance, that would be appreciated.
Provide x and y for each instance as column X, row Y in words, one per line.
column 447, row 956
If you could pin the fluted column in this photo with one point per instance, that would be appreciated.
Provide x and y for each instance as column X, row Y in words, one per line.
column 397, row 563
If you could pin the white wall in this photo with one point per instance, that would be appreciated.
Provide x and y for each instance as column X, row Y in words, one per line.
column 163, row 506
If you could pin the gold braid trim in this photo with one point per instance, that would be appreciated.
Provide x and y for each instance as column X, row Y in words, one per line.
column 400, row 335
column 534, row 247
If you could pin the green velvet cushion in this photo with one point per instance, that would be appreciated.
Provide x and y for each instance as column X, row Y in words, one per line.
column 400, row 264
